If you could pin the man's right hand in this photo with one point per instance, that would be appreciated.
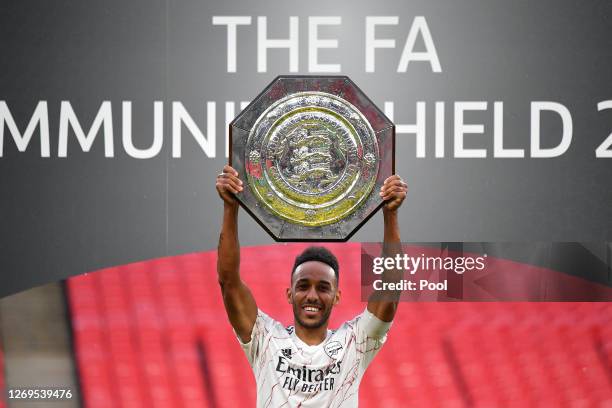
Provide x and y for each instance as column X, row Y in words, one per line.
column 228, row 184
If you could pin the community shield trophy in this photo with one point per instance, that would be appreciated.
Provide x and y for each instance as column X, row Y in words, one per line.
column 313, row 152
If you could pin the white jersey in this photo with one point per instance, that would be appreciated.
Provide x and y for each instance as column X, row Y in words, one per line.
column 290, row 373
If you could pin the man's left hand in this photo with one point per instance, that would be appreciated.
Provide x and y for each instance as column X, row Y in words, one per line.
column 393, row 192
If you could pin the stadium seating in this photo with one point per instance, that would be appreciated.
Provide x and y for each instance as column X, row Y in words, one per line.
column 155, row 334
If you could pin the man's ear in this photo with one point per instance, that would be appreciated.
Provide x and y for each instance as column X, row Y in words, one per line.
column 289, row 295
column 337, row 297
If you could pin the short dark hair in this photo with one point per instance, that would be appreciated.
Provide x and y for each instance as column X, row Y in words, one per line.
column 317, row 253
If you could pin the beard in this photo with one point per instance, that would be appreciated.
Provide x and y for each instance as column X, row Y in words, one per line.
column 311, row 325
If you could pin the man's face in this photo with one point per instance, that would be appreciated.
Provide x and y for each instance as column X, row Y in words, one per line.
column 313, row 293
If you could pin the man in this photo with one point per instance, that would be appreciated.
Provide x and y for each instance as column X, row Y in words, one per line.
column 305, row 365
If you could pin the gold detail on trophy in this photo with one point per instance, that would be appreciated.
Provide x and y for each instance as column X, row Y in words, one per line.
column 313, row 158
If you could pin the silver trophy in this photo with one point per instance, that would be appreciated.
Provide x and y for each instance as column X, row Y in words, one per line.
column 313, row 153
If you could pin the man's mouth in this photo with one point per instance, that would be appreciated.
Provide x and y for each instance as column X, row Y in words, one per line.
column 311, row 309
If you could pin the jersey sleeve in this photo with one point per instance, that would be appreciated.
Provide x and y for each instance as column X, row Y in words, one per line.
column 262, row 327
column 371, row 334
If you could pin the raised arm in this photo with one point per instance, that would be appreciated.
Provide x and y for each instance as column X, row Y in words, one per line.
column 237, row 298
column 393, row 192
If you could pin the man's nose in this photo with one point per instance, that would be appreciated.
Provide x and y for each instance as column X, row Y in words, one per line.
column 312, row 294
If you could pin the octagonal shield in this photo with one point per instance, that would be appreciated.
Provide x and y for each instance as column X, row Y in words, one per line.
column 313, row 152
